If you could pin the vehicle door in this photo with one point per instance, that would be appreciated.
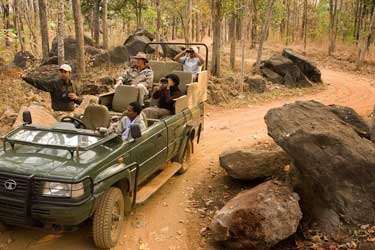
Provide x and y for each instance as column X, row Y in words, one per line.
column 150, row 151
column 175, row 125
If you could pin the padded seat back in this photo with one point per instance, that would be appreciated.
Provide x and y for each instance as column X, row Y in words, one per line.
column 96, row 116
column 158, row 68
column 185, row 78
column 172, row 66
column 161, row 68
column 123, row 96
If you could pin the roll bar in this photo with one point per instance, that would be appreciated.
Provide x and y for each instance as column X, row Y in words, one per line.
column 180, row 43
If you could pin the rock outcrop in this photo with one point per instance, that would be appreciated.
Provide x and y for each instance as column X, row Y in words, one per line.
column 258, row 218
column 254, row 163
column 335, row 165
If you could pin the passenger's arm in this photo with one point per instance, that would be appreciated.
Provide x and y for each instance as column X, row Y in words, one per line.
column 170, row 98
column 201, row 59
column 157, row 94
column 39, row 84
column 122, row 77
column 179, row 55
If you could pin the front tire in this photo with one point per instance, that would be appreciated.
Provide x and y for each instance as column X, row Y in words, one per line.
column 108, row 219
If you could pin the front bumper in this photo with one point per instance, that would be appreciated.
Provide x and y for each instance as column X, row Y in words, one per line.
column 62, row 214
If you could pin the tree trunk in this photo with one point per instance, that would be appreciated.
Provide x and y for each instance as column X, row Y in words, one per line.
column 305, row 25
column 232, row 35
column 332, row 30
column 197, row 27
column 264, row 33
column 158, row 25
column 189, row 22
column 61, row 32
column 173, row 27
column 44, row 28
column 243, row 46
column 78, row 26
column 6, row 22
column 216, row 30
column 96, row 24
column 254, row 25
column 105, row 24
column 366, row 44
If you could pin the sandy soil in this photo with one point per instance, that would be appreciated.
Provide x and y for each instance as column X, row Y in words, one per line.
column 171, row 219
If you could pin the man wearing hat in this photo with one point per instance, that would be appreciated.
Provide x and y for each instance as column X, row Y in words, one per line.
column 191, row 60
column 139, row 75
column 63, row 93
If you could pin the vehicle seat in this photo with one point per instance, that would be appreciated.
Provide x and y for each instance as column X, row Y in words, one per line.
column 158, row 69
column 96, row 116
column 185, row 79
column 124, row 95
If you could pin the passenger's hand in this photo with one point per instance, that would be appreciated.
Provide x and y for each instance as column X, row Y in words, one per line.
column 72, row 96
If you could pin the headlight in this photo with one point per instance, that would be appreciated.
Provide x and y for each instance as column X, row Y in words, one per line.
column 66, row 190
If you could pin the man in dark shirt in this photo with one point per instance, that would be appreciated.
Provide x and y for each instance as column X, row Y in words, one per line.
column 166, row 94
column 62, row 91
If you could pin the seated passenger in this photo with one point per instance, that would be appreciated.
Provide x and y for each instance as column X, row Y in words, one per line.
column 166, row 93
column 133, row 116
column 139, row 75
column 191, row 60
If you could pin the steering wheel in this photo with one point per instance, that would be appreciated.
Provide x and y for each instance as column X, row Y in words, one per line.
column 77, row 122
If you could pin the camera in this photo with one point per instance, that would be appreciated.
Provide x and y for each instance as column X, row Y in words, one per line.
column 164, row 81
column 189, row 51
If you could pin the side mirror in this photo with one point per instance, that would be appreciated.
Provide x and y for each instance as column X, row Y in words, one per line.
column 135, row 131
column 26, row 117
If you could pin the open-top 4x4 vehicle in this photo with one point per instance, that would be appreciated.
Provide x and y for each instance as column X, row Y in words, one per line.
column 56, row 178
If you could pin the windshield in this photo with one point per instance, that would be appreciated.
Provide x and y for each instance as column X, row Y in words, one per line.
column 53, row 138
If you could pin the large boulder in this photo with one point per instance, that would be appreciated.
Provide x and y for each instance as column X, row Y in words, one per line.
column 117, row 55
column 335, row 165
column 41, row 116
column 308, row 67
column 351, row 117
column 139, row 32
column 44, row 72
column 257, row 84
column 260, row 162
column 259, row 218
column 139, row 44
column 23, row 59
column 70, row 46
column 291, row 75
column 170, row 51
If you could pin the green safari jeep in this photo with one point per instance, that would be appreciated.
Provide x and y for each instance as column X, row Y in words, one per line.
column 59, row 177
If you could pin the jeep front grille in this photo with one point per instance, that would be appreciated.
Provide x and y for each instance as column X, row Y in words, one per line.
column 14, row 198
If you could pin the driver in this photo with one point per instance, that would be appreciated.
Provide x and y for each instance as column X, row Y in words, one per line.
column 134, row 116
column 62, row 91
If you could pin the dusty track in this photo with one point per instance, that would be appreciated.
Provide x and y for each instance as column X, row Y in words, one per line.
column 164, row 223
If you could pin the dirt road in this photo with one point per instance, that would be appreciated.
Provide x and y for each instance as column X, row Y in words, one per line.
column 166, row 221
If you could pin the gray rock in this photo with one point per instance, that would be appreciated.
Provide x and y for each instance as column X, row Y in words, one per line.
column 139, row 44
column 336, row 177
column 257, row 219
column 70, row 46
column 254, row 163
column 308, row 67
column 351, row 117
column 257, row 84
column 271, row 75
column 23, row 59
column 291, row 74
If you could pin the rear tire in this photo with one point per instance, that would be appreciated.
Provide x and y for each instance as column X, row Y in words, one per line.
column 108, row 219
column 186, row 159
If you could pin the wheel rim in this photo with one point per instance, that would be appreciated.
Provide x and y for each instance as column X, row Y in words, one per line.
column 116, row 220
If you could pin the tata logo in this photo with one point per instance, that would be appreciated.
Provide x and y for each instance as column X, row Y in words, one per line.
column 10, row 184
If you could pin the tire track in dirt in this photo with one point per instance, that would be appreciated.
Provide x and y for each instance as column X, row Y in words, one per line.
column 164, row 222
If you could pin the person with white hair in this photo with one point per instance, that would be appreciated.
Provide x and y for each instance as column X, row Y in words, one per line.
column 192, row 61
column 63, row 93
